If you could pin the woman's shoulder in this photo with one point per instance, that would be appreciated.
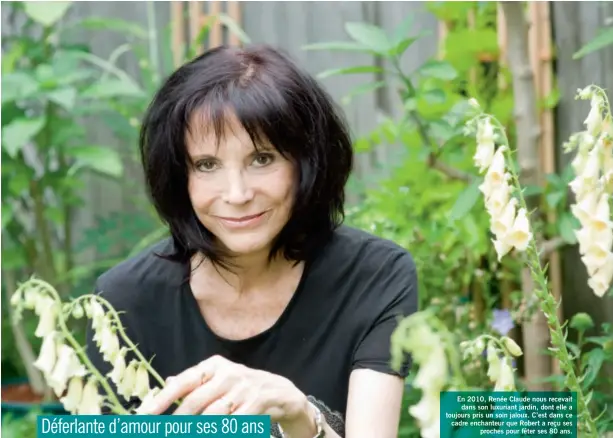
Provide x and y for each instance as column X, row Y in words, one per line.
column 140, row 277
column 368, row 251
column 368, row 267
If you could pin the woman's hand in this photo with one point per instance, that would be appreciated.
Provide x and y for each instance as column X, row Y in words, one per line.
column 219, row 386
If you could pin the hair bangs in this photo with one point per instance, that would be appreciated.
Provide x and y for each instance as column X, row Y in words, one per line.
column 265, row 113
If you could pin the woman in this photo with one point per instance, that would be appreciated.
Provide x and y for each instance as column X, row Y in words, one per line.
column 261, row 302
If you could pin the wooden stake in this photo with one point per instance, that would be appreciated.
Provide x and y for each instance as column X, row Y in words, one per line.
column 501, row 30
column 215, row 34
column 234, row 12
column 178, row 32
column 195, row 20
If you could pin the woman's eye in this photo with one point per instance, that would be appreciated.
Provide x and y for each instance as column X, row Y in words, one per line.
column 205, row 165
column 263, row 159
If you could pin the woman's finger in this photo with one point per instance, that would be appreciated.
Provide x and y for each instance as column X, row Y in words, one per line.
column 199, row 399
column 179, row 386
column 229, row 402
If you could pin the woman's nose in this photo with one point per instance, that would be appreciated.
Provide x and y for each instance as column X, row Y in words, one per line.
column 237, row 190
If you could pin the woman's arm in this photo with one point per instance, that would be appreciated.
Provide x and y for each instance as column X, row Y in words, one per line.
column 373, row 405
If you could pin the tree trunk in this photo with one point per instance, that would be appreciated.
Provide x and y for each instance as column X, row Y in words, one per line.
column 535, row 332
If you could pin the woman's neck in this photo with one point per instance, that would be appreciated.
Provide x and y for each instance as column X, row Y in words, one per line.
column 253, row 272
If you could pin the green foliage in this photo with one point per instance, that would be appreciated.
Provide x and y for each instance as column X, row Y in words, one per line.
column 426, row 202
column 591, row 354
column 20, row 427
column 48, row 86
column 602, row 40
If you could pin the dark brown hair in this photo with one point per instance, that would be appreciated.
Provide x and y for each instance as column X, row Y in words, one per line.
column 274, row 100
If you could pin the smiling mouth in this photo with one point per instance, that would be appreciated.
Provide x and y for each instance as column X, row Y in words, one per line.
column 241, row 219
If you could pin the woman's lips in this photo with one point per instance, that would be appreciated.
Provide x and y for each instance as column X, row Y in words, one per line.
column 242, row 222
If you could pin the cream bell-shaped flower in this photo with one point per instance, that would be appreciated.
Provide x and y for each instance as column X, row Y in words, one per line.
column 427, row 414
column 47, row 310
column 432, row 372
column 107, row 341
column 600, row 281
column 31, row 297
column 485, row 132
column 520, row 234
column 97, row 314
column 484, row 154
column 512, row 346
column 493, row 371
column 579, row 162
column 67, row 366
column 91, row 401
column 141, row 383
column 595, row 257
column 503, row 223
column 601, row 219
column 506, row 379
column 496, row 174
column 119, row 367
column 498, row 199
column 594, row 120
column 485, row 145
column 128, row 383
column 48, row 354
column 72, row 399
column 586, row 207
column 591, row 173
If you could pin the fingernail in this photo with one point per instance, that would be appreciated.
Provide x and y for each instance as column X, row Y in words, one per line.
column 169, row 380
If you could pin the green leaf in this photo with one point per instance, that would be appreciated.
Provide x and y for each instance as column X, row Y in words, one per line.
column 46, row 13
column 350, row 70
column 19, row 132
column 338, row 46
column 441, row 130
column 554, row 198
column 13, row 258
column 438, row 69
column 112, row 24
column 234, row 28
column 19, row 182
column 111, row 87
column 567, row 225
column 65, row 97
column 403, row 45
column 402, row 31
column 101, row 63
column 7, row 214
column 574, row 348
column 149, row 240
column 361, row 145
column 369, row 36
column 434, row 96
column 532, row 190
column 362, row 89
column 599, row 340
column 99, row 158
column 18, row 85
column 595, row 359
column 466, row 200
column 602, row 40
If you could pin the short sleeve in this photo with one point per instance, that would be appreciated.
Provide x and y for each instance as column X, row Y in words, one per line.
column 397, row 289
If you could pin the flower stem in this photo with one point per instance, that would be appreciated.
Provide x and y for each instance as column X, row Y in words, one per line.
column 549, row 308
column 79, row 350
column 124, row 336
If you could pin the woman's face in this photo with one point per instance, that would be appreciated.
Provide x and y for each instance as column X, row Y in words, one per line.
column 242, row 196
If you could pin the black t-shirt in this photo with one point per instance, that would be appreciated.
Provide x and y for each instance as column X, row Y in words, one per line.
column 340, row 318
